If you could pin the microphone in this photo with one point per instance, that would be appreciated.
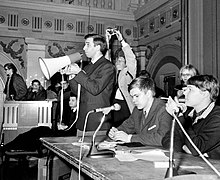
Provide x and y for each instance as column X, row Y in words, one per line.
column 94, row 152
column 106, row 110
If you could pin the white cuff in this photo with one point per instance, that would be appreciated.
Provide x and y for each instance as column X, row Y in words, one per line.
column 71, row 76
column 129, row 137
column 123, row 43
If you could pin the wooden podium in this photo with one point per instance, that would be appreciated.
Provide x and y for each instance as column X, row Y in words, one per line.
column 21, row 116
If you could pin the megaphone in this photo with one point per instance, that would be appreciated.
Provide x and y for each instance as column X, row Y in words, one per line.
column 49, row 66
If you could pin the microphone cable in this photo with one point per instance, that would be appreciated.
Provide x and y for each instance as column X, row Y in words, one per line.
column 197, row 150
column 82, row 140
column 77, row 104
column 77, row 109
column 61, row 100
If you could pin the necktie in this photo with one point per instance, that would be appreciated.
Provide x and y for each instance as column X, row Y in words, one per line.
column 145, row 115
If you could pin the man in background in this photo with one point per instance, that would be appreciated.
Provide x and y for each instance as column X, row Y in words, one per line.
column 15, row 88
column 36, row 92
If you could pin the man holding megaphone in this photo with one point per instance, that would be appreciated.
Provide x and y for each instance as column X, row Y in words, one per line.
column 96, row 79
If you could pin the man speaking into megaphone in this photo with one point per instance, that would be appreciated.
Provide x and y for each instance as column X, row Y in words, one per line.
column 96, row 80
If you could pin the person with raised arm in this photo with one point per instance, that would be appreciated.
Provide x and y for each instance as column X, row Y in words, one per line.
column 126, row 65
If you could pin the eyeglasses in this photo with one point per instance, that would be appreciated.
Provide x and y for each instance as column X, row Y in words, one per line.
column 186, row 75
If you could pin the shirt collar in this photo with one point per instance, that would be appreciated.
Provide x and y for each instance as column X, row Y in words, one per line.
column 93, row 61
column 204, row 114
column 74, row 109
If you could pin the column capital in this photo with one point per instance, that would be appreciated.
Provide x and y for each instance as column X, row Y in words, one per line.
column 35, row 41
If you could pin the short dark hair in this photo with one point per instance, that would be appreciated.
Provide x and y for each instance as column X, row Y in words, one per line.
column 145, row 73
column 98, row 40
column 119, row 53
column 35, row 81
column 143, row 83
column 206, row 82
column 11, row 66
column 72, row 94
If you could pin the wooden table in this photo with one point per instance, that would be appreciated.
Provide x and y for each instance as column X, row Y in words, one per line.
column 113, row 169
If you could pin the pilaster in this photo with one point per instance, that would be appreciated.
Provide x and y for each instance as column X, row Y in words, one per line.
column 35, row 49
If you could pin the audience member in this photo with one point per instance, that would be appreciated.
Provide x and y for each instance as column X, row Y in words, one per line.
column 202, row 122
column 158, row 91
column 15, row 88
column 51, row 94
column 57, row 88
column 126, row 66
column 36, row 92
column 149, row 121
column 185, row 73
column 96, row 80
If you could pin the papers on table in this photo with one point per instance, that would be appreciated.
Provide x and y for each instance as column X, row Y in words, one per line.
column 149, row 155
column 109, row 144
column 156, row 155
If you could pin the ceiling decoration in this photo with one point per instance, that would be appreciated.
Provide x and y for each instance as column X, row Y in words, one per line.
column 25, row 21
column 48, row 24
column 70, row 26
column 128, row 32
column 2, row 19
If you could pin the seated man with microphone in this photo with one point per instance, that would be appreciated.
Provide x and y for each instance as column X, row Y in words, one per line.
column 149, row 121
column 201, row 121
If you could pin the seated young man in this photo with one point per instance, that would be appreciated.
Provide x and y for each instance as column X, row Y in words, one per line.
column 202, row 123
column 149, row 121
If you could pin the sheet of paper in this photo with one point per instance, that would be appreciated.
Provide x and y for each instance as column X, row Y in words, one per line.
column 125, row 156
column 108, row 144
column 148, row 155
column 152, row 155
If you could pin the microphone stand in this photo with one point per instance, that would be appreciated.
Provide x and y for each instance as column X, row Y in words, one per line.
column 94, row 152
column 171, row 171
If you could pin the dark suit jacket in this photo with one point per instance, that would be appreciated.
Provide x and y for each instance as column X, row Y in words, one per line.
column 204, row 134
column 17, row 87
column 41, row 95
column 150, row 130
column 97, row 82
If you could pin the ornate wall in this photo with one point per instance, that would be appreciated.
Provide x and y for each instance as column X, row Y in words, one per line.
column 160, row 38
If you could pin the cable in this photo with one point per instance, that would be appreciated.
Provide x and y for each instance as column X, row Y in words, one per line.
column 77, row 105
column 82, row 140
column 61, row 100
column 77, row 108
column 98, row 128
column 197, row 150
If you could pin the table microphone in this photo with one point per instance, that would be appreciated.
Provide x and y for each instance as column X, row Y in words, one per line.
column 172, row 171
column 94, row 152
column 106, row 110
